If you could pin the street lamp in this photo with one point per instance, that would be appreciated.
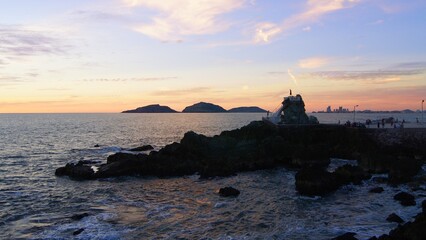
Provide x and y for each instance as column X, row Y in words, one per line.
column 355, row 111
column 422, row 110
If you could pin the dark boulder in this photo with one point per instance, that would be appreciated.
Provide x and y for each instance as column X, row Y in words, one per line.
column 76, row 171
column 314, row 181
column 351, row 174
column 141, row 148
column 121, row 164
column 376, row 190
column 96, row 145
column 394, row 218
column 229, row 192
column 77, row 232
column 405, row 199
column 88, row 162
column 415, row 230
column 77, row 217
column 346, row 236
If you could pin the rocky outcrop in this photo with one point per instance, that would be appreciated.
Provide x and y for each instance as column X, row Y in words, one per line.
column 346, row 236
column 229, row 192
column 313, row 181
column 261, row 146
column 154, row 108
column 203, row 107
column 415, row 230
column 317, row 181
column 394, row 218
column 78, row 171
column 351, row 174
column 141, row 148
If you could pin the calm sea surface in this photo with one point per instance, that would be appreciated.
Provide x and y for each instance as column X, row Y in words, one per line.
column 37, row 205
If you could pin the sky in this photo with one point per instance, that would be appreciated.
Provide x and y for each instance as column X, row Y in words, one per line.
column 114, row 55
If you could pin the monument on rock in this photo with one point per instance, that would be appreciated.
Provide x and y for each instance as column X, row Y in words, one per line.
column 292, row 111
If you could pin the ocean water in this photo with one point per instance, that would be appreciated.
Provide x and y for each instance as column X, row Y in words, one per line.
column 37, row 205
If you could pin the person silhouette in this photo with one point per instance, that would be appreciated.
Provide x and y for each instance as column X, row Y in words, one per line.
column 290, row 92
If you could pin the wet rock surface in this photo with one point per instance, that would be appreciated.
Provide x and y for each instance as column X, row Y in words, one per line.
column 346, row 236
column 394, row 218
column 141, row 148
column 405, row 199
column 229, row 192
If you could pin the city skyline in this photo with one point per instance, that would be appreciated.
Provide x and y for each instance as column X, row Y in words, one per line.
column 112, row 55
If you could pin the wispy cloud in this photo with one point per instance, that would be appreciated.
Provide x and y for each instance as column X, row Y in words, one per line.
column 314, row 62
column 373, row 77
column 313, row 11
column 176, row 19
column 141, row 79
column 19, row 41
column 10, row 80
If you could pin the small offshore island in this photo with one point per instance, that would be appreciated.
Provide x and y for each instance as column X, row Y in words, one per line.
column 293, row 140
column 201, row 107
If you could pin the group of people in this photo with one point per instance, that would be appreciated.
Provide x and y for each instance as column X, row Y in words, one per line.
column 380, row 123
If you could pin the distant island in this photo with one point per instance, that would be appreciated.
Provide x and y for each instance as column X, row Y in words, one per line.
column 154, row 108
column 247, row 110
column 201, row 107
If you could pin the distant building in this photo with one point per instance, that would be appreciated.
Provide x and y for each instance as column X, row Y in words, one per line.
column 329, row 109
column 340, row 110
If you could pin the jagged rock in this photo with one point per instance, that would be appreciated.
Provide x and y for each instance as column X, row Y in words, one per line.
column 88, row 162
column 79, row 216
column 376, row 190
column 394, row 218
column 229, row 192
column 405, row 199
column 346, row 236
column 351, row 174
column 121, row 164
column 313, row 181
column 415, row 230
column 76, row 171
column 141, row 148
column 77, row 232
